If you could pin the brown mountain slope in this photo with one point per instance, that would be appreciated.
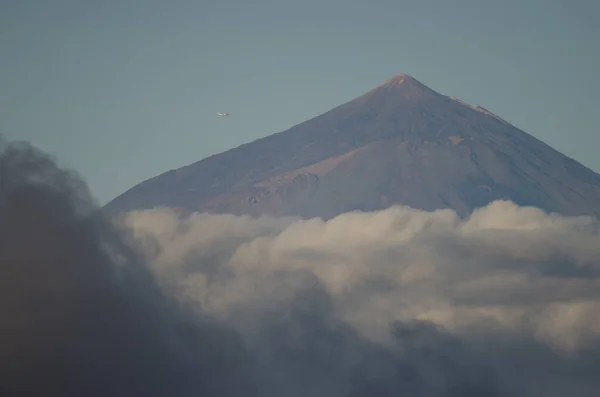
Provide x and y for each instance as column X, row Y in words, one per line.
column 399, row 143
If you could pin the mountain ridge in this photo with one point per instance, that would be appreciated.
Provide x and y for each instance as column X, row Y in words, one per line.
column 407, row 135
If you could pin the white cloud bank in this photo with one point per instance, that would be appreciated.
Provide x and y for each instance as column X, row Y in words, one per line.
column 506, row 270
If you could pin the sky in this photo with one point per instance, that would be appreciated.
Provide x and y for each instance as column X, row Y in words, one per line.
column 123, row 90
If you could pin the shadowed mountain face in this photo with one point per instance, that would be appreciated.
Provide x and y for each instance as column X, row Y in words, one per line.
column 400, row 143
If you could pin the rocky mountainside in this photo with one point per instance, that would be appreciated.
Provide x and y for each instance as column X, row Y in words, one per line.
column 399, row 143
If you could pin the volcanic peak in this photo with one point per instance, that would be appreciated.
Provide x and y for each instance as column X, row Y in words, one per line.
column 400, row 79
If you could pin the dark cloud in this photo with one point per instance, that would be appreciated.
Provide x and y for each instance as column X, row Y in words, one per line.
column 79, row 313
column 306, row 350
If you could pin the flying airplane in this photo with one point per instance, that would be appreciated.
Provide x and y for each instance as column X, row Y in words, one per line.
column 223, row 114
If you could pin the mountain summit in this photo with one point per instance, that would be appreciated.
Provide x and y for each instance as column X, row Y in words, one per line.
column 399, row 143
column 403, row 79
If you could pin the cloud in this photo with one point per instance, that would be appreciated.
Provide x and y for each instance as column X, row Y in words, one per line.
column 391, row 303
column 507, row 286
column 74, row 320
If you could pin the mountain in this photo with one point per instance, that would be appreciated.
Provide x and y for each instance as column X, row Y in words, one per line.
column 401, row 143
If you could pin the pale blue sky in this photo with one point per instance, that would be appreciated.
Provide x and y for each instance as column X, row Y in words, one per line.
column 123, row 90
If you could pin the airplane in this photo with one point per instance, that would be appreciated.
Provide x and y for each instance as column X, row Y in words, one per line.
column 223, row 114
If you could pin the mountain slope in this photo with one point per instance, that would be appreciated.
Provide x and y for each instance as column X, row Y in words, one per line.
column 399, row 143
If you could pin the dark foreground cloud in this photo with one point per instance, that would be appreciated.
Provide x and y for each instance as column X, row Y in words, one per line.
column 79, row 314
column 393, row 303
